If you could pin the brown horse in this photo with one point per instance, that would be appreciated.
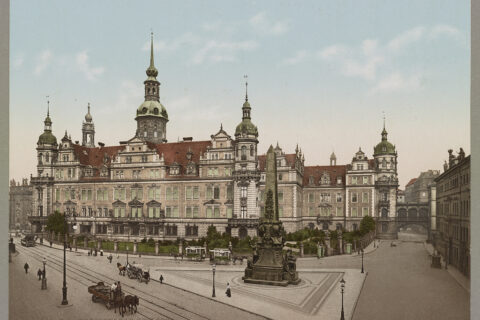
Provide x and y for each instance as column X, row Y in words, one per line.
column 121, row 269
column 118, row 302
column 132, row 303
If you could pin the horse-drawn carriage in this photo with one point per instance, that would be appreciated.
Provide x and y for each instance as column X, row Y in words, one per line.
column 113, row 298
column 138, row 271
column 102, row 293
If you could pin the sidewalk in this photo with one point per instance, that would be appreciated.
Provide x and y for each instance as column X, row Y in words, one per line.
column 457, row 275
column 369, row 249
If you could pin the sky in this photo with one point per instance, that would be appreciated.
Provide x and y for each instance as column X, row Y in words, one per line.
column 322, row 74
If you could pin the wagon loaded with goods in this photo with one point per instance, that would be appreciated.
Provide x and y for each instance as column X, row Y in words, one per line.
column 102, row 293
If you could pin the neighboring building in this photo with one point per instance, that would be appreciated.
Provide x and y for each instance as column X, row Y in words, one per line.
column 148, row 187
column 400, row 196
column 417, row 189
column 20, row 204
column 452, row 238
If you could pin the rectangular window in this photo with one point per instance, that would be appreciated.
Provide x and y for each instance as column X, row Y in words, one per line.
column 280, row 196
column 195, row 193
column 119, row 194
column 188, row 193
column 325, row 197
column 116, row 212
column 229, row 192
column 188, row 212
column 84, row 195
column 216, row 193
column 354, row 197
column 230, row 212
column 209, row 212
column 209, row 192
column 243, row 192
column 365, row 180
column 365, row 211
column 365, row 197
column 150, row 212
column 311, row 211
column 195, row 212
column 280, row 212
column 354, row 180
column 354, row 212
column 339, row 197
column 311, row 197
column 169, row 194
column 168, row 212
column 175, row 193
column 216, row 212
column 339, row 211
column 57, row 195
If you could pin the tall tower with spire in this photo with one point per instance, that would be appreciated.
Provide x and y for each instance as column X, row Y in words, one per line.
column 46, row 148
column 386, row 185
column 152, row 116
column 88, row 130
column 246, row 174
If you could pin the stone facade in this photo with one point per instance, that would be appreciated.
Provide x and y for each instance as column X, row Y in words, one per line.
column 149, row 187
column 452, row 236
column 20, row 204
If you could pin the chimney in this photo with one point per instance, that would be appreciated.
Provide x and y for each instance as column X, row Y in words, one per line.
column 185, row 139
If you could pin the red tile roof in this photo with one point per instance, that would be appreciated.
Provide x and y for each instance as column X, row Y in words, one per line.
column 94, row 156
column 411, row 182
column 317, row 171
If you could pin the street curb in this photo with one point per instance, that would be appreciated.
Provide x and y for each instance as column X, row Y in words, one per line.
column 356, row 300
column 230, row 305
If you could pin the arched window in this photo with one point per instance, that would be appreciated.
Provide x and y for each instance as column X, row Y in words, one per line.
column 244, row 153
column 384, row 213
column 251, row 150
column 153, row 90
column 155, row 111
column 47, row 157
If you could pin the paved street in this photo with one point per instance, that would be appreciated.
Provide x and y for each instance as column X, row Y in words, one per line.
column 401, row 284
column 156, row 301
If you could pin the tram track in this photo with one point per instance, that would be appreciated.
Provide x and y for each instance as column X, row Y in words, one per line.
column 95, row 276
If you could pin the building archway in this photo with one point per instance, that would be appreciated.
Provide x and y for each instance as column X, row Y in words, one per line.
column 384, row 213
column 423, row 213
column 242, row 232
column 412, row 213
column 402, row 213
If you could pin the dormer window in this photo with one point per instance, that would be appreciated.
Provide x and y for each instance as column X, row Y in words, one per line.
column 339, row 180
column 359, row 166
column 325, row 180
column 310, row 180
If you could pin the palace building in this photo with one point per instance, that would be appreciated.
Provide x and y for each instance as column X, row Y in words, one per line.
column 149, row 187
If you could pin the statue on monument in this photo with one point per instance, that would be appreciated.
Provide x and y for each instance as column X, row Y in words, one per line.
column 269, row 265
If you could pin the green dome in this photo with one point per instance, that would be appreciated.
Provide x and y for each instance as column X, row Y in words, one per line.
column 152, row 108
column 384, row 147
column 246, row 126
column 47, row 138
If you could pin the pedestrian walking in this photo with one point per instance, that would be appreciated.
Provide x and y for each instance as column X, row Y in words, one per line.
column 26, row 266
column 228, row 292
column 101, row 252
column 113, row 289
column 161, row 279
column 39, row 274
column 110, row 258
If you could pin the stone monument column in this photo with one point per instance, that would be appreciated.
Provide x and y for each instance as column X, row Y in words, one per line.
column 156, row 247
column 135, row 246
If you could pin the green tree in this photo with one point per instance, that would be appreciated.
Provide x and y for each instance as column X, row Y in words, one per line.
column 55, row 223
column 366, row 225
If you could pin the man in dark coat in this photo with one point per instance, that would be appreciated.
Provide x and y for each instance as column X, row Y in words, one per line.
column 26, row 266
column 228, row 292
column 39, row 274
column 161, row 279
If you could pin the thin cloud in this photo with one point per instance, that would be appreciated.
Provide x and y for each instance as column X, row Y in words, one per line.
column 406, row 38
column 333, row 51
column 396, row 82
column 222, row 51
column 264, row 25
column 18, row 61
column 444, row 30
column 299, row 57
column 42, row 62
column 91, row 73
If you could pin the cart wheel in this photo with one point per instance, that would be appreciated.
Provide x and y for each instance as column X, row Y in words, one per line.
column 108, row 305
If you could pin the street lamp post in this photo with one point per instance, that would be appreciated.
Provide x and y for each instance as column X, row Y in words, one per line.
column 213, row 270
column 342, row 286
column 362, row 261
column 44, row 275
column 64, row 289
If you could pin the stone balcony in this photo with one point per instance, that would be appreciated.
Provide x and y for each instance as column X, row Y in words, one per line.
column 237, row 222
column 246, row 175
